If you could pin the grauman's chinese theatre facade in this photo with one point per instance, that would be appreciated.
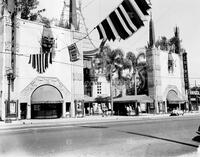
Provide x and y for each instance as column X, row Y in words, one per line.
column 167, row 73
column 47, row 84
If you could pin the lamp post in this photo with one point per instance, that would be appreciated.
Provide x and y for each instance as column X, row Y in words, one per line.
column 135, row 88
column 111, row 95
column 9, row 74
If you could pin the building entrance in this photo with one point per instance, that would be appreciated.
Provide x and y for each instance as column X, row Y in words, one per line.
column 171, row 107
column 23, row 108
column 43, row 111
column 46, row 102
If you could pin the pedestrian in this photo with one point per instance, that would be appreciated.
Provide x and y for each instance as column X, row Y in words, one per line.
column 88, row 110
column 103, row 109
column 128, row 110
column 91, row 111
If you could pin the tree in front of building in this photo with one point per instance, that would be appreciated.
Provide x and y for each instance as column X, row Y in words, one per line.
column 174, row 43
column 112, row 62
column 26, row 9
column 140, row 68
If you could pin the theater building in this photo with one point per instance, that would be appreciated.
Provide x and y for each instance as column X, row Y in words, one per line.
column 40, row 78
column 167, row 74
column 162, row 84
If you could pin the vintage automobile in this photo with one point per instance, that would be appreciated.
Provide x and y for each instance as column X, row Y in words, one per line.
column 176, row 112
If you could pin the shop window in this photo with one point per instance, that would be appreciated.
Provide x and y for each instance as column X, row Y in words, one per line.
column 98, row 87
column 170, row 63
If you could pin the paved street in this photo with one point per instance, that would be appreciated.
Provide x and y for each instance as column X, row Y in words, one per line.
column 170, row 136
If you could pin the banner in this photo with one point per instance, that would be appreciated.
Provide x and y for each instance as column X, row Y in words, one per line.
column 40, row 62
column 73, row 52
column 185, row 71
column 125, row 20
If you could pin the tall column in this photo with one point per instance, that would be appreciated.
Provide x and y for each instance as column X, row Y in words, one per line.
column 18, row 110
column 63, row 109
column 165, row 106
column 111, row 92
column 28, row 111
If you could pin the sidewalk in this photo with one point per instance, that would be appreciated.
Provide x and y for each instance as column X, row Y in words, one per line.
column 83, row 120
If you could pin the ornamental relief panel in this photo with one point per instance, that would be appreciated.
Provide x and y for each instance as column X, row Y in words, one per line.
column 25, row 94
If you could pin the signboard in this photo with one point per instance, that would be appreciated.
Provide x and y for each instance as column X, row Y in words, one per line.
column 185, row 69
column 193, row 99
column 73, row 53
column 194, row 92
column 12, row 107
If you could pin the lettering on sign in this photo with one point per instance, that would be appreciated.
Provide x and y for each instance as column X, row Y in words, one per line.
column 194, row 92
column 185, row 69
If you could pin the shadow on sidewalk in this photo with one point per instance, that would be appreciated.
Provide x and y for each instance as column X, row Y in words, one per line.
column 160, row 138
column 95, row 127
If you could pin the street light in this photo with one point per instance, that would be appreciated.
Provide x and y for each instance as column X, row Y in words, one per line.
column 9, row 74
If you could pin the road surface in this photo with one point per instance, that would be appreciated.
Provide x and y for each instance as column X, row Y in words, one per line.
column 173, row 136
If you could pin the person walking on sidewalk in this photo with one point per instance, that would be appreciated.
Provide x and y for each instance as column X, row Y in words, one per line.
column 104, row 109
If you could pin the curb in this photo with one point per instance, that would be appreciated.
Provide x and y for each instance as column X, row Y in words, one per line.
column 85, row 120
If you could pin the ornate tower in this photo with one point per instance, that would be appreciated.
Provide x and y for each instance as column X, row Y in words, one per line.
column 151, row 33
column 73, row 15
column 153, row 71
column 62, row 21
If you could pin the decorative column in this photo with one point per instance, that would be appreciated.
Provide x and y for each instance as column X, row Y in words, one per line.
column 9, row 73
column 63, row 109
column 28, row 111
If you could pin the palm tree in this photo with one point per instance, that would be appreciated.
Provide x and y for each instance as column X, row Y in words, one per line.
column 124, row 79
column 163, row 43
column 132, row 58
column 112, row 61
column 136, row 65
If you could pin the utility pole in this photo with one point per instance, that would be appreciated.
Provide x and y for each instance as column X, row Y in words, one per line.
column 9, row 74
column 13, row 13
column 111, row 94
column 135, row 88
column 12, row 7
column 196, row 93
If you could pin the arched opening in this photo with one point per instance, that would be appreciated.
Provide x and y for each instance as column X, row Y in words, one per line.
column 46, row 102
column 173, row 101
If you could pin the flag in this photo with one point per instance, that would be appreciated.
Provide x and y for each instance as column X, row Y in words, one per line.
column 73, row 52
column 125, row 20
column 40, row 62
column 92, row 53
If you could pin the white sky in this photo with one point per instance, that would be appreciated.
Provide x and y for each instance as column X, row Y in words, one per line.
column 166, row 15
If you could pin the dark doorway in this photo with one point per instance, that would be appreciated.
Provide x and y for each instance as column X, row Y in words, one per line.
column 46, row 111
column 120, row 109
column 23, row 109
column 68, row 106
column 171, row 107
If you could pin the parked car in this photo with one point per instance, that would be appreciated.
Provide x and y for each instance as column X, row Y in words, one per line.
column 198, row 131
column 176, row 113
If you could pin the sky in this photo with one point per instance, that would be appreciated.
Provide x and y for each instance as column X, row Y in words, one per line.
column 166, row 15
